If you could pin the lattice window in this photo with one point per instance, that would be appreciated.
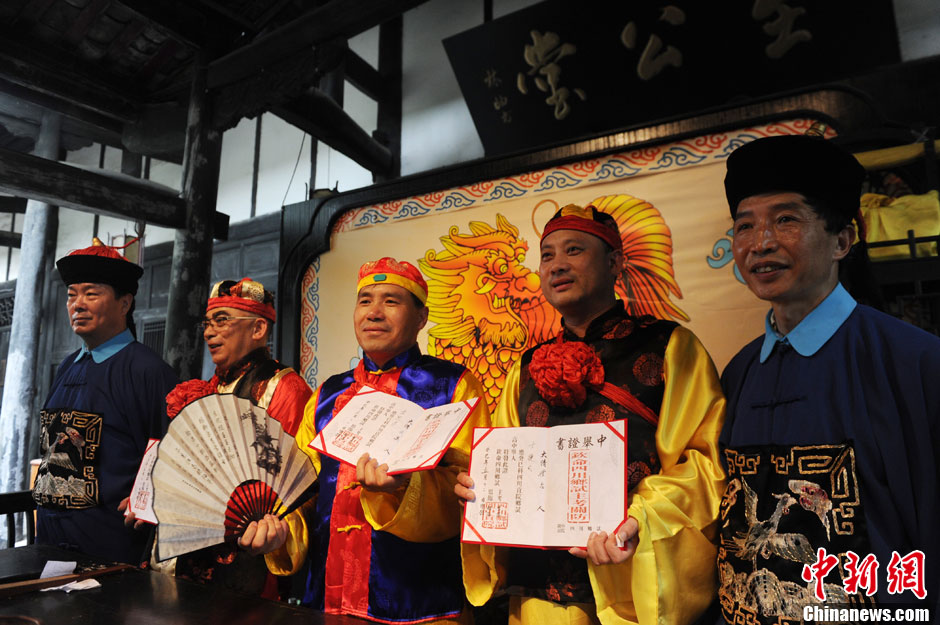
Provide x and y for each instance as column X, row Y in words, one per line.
column 6, row 310
column 153, row 335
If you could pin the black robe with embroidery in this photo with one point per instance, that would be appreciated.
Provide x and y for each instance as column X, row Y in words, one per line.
column 837, row 450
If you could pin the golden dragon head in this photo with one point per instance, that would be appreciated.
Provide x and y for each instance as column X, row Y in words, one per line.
column 479, row 289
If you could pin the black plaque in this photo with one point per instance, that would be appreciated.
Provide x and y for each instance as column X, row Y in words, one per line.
column 561, row 69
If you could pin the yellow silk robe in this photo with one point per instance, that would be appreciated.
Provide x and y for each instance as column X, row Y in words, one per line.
column 672, row 577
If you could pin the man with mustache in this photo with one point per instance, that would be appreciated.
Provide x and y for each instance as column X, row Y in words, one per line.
column 106, row 402
column 832, row 434
column 657, row 376
column 382, row 547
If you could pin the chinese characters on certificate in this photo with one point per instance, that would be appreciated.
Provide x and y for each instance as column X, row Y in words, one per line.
column 392, row 430
column 141, row 500
column 546, row 487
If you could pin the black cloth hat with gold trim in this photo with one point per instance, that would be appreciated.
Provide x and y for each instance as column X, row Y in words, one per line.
column 101, row 264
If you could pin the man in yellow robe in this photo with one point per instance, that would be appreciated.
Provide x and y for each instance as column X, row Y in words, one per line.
column 668, row 391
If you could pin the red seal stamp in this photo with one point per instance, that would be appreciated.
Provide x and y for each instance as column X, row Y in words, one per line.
column 347, row 440
column 495, row 515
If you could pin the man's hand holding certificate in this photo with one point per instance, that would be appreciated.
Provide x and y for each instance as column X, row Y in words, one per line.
column 392, row 430
column 547, row 487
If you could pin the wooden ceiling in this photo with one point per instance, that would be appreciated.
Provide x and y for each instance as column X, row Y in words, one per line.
column 120, row 71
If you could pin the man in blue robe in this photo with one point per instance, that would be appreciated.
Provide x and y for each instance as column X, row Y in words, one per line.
column 832, row 434
column 106, row 402
column 380, row 547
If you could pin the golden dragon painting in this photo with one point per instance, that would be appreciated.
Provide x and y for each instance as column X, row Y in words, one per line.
column 488, row 308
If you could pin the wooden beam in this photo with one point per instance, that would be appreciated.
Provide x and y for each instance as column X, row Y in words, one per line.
column 131, row 164
column 158, row 132
column 160, row 58
column 388, row 122
column 231, row 16
column 19, row 115
column 317, row 114
column 183, row 24
column 131, row 31
column 335, row 19
column 273, row 9
column 65, row 107
column 57, row 184
column 13, row 205
column 333, row 82
column 276, row 85
column 19, row 125
column 31, row 12
column 11, row 239
column 59, row 78
column 88, row 16
column 364, row 77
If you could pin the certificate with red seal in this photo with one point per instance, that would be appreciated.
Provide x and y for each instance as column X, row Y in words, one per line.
column 547, row 487
column 141, row 499
column 392, row 430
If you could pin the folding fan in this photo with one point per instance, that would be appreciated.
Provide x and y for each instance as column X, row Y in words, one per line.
column 223, row 463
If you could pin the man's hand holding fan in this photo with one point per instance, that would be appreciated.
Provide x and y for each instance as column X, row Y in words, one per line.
column 226, row 471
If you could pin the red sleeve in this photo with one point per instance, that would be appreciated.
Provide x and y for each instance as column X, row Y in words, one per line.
column 287, row 404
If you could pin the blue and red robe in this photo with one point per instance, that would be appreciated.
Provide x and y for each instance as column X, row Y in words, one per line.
column 357, row 570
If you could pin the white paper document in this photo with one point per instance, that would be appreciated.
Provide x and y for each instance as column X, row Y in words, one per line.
column 57, row 568
column 392, row 430
column 141, row 500
column 547, row 487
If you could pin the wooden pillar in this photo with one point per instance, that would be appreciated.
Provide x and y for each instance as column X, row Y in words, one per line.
column 256, row 165
column 333, row 83
column 132, row 164
column 18, row 420
column 191, row 268
column 388, row 126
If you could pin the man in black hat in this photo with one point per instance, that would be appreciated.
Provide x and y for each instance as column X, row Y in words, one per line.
column 832, row 434
column 106, row 402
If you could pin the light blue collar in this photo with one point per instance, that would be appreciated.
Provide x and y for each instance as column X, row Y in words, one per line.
column 108, row 348
column 815, row 329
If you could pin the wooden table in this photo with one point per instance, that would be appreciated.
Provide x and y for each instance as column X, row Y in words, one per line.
column 135, row 597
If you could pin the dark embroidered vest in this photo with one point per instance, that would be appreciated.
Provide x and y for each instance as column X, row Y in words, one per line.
column 255, row 370
column 632, row 350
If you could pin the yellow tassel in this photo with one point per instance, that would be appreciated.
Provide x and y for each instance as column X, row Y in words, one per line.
column 351, row 485
column 348, row 528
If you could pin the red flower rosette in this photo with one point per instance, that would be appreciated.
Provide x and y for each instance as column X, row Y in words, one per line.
column 188, row 392
column 563, row 372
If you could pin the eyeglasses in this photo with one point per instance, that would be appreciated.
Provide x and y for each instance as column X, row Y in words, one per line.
column 219, row 322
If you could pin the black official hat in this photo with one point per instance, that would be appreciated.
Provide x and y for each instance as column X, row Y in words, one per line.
column 811, row 166
column 102, row 264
